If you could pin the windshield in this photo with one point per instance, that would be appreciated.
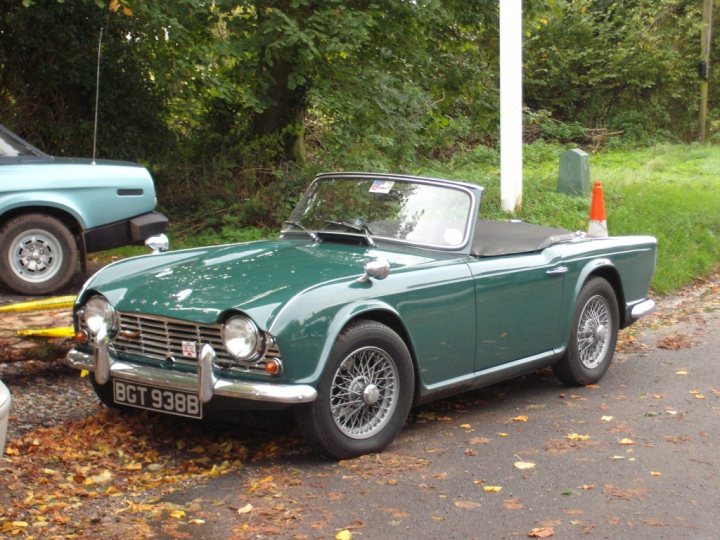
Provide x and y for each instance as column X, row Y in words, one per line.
column 396, row 209
column 12, row 146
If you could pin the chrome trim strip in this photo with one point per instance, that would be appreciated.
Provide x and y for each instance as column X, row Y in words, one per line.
column 646, row 307
column 188, row 382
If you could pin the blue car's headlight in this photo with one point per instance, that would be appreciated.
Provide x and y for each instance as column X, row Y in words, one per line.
column 241, row 338
column 97, row 312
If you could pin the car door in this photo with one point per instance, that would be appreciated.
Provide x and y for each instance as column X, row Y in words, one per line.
column 519, row 302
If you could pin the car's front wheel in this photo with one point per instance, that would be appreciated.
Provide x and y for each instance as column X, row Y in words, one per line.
column 38, row 254
column 364, row 395
column 593, row 337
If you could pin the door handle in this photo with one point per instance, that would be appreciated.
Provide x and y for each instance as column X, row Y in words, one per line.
column 557, row 271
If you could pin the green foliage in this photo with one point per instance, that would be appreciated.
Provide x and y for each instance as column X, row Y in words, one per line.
column 622, row 65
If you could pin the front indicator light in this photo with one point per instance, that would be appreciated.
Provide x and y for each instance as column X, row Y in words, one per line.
column 81, row 336
column 273, row 367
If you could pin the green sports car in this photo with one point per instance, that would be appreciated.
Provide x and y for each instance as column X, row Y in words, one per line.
column 381, row 292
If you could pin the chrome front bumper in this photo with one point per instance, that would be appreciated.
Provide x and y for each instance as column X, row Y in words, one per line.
column 646, row 307
column 206, row 383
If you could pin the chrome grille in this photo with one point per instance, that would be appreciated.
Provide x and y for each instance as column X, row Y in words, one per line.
column 160, row 338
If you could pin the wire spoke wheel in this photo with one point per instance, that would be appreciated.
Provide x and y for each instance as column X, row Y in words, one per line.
column 592, row 336
column 364, row 393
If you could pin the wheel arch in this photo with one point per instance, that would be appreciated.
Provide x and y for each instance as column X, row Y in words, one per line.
column 606, row 270
column 66, row 217
column 389, row 317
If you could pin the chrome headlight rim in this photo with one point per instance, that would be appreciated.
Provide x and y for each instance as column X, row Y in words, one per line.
column 250, row 351
column 98, row 311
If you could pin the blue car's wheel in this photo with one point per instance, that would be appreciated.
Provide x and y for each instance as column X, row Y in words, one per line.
column 593, row 337
column 38, row 254
column 365, row 394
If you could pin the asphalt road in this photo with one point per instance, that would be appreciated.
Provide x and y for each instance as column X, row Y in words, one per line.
column 635, row 456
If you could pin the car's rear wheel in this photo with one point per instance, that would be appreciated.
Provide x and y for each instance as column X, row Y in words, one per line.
column 593, row 337
column 364, row 395
column 38, row 254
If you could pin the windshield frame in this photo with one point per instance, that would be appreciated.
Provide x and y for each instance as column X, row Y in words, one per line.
column 474, row 192
column 28, row 152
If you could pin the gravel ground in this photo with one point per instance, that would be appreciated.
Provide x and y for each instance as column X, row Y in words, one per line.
column 46, row 393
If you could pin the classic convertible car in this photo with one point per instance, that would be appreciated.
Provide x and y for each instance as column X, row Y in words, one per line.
column 382, row 291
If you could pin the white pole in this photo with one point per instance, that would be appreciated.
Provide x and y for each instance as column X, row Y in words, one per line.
column 511, row 160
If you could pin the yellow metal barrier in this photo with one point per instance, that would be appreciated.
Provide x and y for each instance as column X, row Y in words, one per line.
column 46, row 304
column 59, row 332
column 56, row 302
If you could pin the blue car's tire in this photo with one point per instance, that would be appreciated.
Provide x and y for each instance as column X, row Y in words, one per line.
column 364, row 394
column 593, row 335
column 38, row 254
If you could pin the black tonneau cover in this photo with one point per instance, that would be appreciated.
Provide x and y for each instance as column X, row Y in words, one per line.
column 493, row 238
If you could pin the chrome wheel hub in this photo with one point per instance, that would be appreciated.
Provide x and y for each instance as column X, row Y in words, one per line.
column 593, row 332
column 364, row 393
column 35, row 256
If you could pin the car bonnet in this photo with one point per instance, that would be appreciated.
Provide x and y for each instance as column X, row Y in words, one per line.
column 257, row 277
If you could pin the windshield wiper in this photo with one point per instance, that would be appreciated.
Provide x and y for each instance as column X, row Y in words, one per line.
column 311, row 234
column 361, row 228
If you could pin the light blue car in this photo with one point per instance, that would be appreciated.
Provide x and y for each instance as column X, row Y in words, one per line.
column 54, row 211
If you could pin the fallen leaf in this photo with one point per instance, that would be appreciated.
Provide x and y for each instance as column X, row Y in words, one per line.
column 626, row 442
column 501, row 434
column 465, row 426
column 655, row 473
column 177, row 514
column 523, row 465
column 512, row 504
column 541, row 532
column 245, row 509
column 492, row 489
column 681, row 372
column 467, row 505
column 196, row 521
column 480, row 440
column 521, row 418
column 607, row 418
column 343, row 535
column 577, row 437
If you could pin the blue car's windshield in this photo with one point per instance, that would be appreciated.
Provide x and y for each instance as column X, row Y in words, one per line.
column 12, row 146
column 417, row 212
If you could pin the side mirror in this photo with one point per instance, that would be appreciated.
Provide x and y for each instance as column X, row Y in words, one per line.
column 378, row 269
column 158, row 244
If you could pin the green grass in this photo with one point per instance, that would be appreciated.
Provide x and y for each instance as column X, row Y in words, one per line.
column 669, row 191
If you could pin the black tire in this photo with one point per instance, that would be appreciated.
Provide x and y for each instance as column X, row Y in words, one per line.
column 38, row 254
column 353, row 415
column 593, row 337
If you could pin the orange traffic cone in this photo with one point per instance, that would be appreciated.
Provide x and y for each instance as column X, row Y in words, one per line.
column 598, row 221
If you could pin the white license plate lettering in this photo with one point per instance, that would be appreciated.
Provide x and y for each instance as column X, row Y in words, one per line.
column 157, row 399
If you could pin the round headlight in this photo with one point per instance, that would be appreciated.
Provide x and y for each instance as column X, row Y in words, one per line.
column 241, row 337
column 97, row 313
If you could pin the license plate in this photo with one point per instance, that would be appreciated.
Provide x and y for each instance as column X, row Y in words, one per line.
column 158, row 399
